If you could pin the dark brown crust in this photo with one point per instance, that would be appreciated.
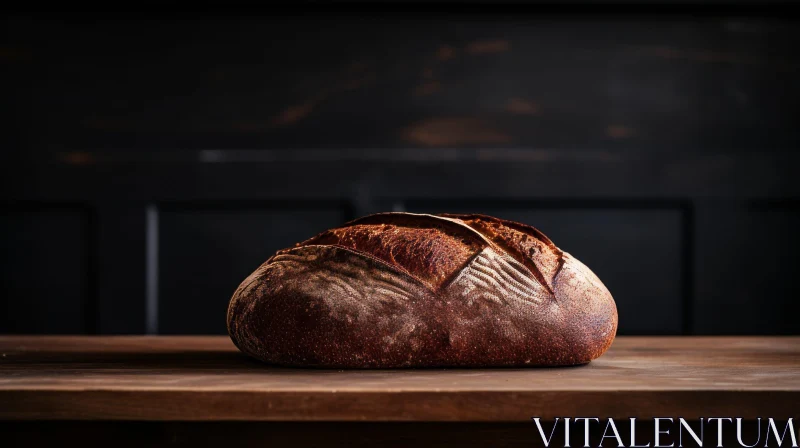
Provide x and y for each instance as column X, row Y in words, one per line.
column 532, row 231
column 526, row 244
column 408, row 290
column 428, row 247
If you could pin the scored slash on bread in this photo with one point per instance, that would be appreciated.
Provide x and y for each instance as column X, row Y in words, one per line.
column 415, row 290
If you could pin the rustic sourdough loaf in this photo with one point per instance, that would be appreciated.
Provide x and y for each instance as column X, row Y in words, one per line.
column 411, row 290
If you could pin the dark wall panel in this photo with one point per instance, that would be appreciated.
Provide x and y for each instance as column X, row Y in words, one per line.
column 637, row 253
column 579, row 84
column 120, row 268
column 747, row 260
column 45, row 271
column 206, row 252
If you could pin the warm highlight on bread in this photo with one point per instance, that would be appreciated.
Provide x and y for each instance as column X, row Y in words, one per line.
column 410, row 290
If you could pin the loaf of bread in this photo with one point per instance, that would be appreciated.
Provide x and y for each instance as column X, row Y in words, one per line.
column 395, row 290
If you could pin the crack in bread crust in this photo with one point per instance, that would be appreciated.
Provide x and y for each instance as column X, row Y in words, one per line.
column 526, row 244
column 431, row 248
column 435, row 248
column 498, row 278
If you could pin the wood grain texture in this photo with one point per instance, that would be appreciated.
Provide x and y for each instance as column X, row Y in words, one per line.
column 187, row 378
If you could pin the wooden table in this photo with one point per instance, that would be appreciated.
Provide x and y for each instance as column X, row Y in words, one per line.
column 106, row 385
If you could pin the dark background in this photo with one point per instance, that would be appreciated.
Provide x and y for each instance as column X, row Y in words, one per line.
column 150, row 163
